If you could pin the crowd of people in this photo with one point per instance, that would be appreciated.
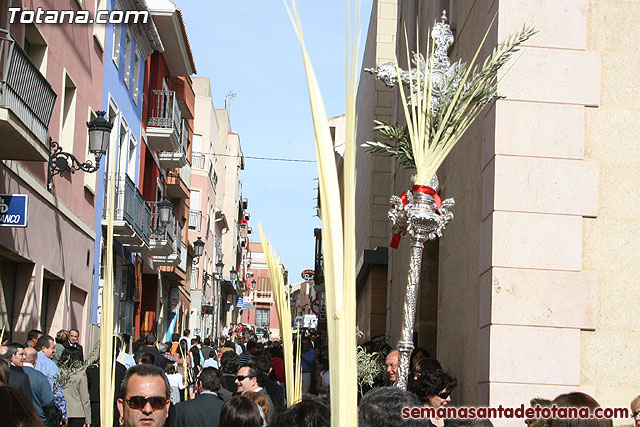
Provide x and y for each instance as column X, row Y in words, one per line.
column 237, row 380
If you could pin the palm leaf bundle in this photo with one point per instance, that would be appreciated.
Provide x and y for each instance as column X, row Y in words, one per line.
column 440, row 107
column 283, row 308
column 338, row 226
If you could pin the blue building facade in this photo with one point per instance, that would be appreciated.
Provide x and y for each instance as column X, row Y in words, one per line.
column 127, row 48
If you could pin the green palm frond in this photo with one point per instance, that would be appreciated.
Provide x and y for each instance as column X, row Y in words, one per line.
column 394, row 142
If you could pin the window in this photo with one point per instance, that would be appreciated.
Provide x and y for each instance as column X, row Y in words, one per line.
column 194, row 277
column 195, row 200
column 123, row 143
column 90, row 179
column 131, row 165
column 68, row 116
column 262, row 317
column 117, row 39
column 128, row 44
column 36, row 47
column 136, row 76
column 100, row 30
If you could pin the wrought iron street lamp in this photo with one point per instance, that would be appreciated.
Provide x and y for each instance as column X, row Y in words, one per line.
column 253, row 284
column 219, row 267
column 233, row 274
column 60, row 161
column 198, row 250
column 164, row 207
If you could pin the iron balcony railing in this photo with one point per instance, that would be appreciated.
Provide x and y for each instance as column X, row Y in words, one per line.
column 130, row 206
column 164, row 111
column 23, row 89
column 183, row 141
column 195, row 218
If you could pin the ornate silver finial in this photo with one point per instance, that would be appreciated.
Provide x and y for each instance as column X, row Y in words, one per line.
column 442, row 37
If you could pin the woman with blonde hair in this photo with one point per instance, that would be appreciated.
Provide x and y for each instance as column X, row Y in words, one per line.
column 263, row 404
column 62, row 341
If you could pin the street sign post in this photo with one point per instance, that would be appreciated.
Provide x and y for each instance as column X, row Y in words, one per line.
column 14, row 210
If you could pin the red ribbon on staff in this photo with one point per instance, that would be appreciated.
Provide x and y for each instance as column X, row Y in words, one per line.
column 424, row 189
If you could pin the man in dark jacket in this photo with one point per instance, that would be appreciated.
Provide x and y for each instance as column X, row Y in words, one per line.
column 276, row 392
column 204, row 410
column 93, row 382
column 14, row 355
column 150, row 347
column 43, row 398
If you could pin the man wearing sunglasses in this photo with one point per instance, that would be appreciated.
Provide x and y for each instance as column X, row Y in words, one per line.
column 250, row 378
column 144, row 397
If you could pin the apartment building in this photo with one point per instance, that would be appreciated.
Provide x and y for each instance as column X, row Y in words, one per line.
column 207, row 221
column 258, row 297
column 49, row 92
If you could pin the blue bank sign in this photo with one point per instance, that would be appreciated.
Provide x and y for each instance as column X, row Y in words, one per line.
column 14, row 209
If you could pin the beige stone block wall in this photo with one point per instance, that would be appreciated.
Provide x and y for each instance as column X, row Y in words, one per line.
column 557, row 186
column 537, row 130
column 527, row 240
column 522, row 188
column 538, row 298
column 611, row 248
column 553, row 75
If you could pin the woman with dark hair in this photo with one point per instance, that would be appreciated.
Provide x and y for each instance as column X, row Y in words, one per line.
column 16, row 410
column 4, row 372
column 310, row 412
column 417, row 354
column 240, row 411
column 578, row 400
column 433, row 388
column 420, row 367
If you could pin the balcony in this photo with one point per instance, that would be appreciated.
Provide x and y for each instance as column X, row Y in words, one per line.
column 186, row 96
column 162, row 238
column 263, row 297
column 195, row 220
column 178, row 182
column 165, row 120
column 132, row 216
column 26, row 103
column 173, row 258
column 175, row 159
column 197, row 160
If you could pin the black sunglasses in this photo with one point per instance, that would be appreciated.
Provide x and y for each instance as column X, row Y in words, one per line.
column 635, row 414
column 444, row 394
column 139, row 402
column 241, row 378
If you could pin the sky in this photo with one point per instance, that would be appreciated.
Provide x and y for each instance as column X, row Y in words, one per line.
column 249, row 48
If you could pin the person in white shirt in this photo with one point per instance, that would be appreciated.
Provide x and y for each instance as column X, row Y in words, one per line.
column 176, row 381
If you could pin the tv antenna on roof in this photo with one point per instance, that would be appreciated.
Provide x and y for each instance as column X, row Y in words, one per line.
column 227, row 99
